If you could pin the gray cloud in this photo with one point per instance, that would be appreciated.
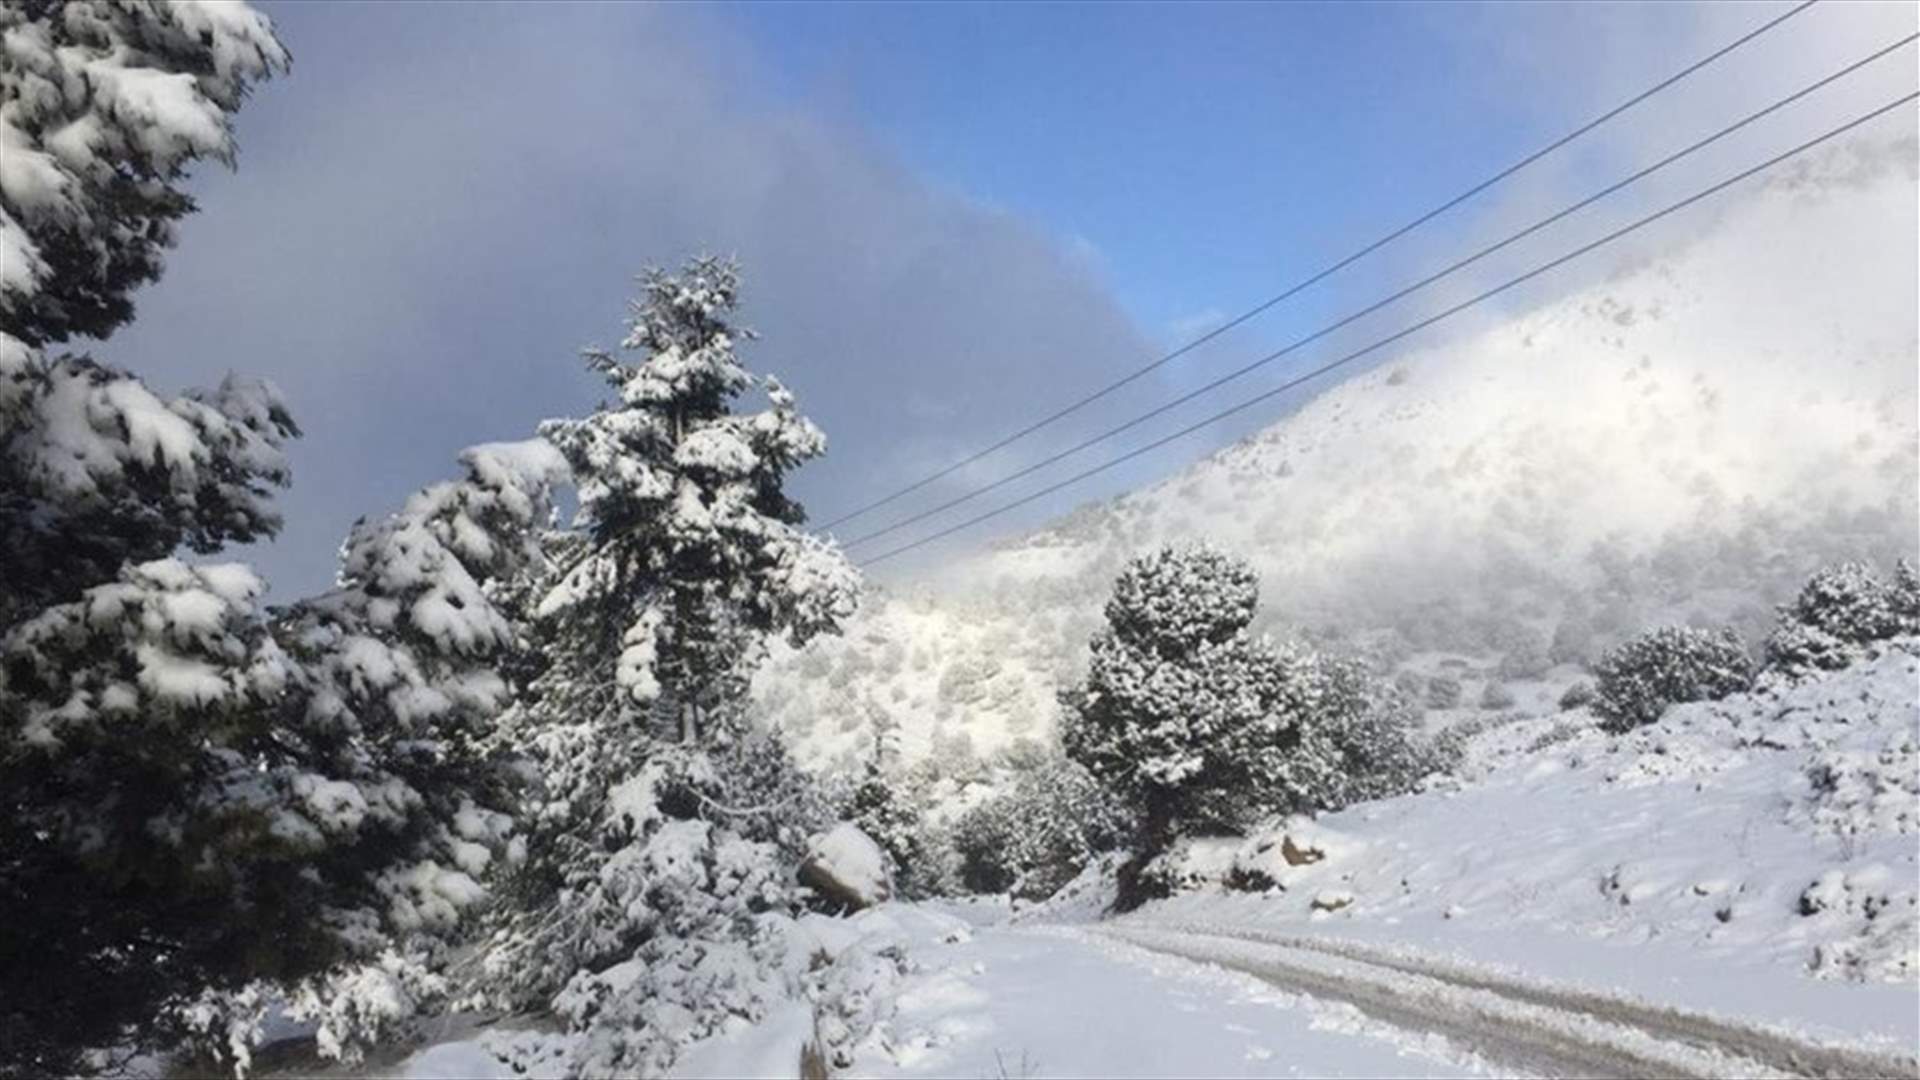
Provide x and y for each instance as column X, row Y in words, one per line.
column 441, row 205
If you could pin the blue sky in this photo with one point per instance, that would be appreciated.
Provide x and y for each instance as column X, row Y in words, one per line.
column 951, row 217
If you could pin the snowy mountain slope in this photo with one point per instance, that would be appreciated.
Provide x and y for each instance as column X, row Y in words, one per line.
column 1686, row 441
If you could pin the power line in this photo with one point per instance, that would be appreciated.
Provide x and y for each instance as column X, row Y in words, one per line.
column 1377, row 305
column 1416, row 327
column 1326, row 272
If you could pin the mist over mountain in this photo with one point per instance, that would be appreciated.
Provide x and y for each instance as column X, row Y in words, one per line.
column 1684, row 442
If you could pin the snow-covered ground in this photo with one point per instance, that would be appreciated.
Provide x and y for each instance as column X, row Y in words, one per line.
column 1745, row 868
column 1730, row 891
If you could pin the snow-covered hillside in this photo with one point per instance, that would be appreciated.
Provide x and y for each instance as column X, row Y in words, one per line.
column 1771, row 833
column 1686, row 441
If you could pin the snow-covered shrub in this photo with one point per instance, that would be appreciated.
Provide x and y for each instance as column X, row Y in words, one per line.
column 1524, row 655
column 1040, row 834
column 1636, row 681
column 1859, row 791
column 1577, row 696
column 1839, row 611
column 1882, row 915
column 1444, row 692
column 964, row 681
column 1495, row 695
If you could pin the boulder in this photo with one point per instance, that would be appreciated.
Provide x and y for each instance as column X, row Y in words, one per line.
column 1331, row 900
column 1300, row 854
column 847, row 869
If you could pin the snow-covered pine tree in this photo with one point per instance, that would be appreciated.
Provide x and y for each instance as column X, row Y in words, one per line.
column 126, row 678
column 664, row 833
column 884, row 811
column 401, row 688
column 107, row 104
column 130, row 719
column 209, row 812
column 97, row 474
column 1196, row 725
column 1171, row 681
column 105, row 107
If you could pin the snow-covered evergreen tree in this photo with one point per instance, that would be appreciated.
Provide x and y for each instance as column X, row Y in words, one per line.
column 106, row 104
column 132, row 826
column 97, row 474
column 136, row 692
column 1197, row 725
column 663, row 832
column 401, row 688
column 881, row 805
column 103, row 106
column 209, row 811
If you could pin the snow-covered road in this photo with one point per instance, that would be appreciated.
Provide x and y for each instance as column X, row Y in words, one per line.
column 1518, row 1024
column 986, row 996
column 1056, row 1001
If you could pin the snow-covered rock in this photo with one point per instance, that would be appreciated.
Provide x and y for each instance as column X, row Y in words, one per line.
column 844, row 865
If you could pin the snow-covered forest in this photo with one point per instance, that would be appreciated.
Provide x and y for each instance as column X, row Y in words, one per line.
column 1544, row 700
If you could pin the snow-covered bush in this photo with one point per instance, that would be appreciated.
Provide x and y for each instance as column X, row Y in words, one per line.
column 1636, row 681
column 1495, row 695
column 1577, row 696
column 1038, row 835
column 1838, row 612
column 664, row 830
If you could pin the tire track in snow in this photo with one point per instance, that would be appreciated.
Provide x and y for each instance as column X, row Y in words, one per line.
column 1786, row 1052
column 1526, row 1025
